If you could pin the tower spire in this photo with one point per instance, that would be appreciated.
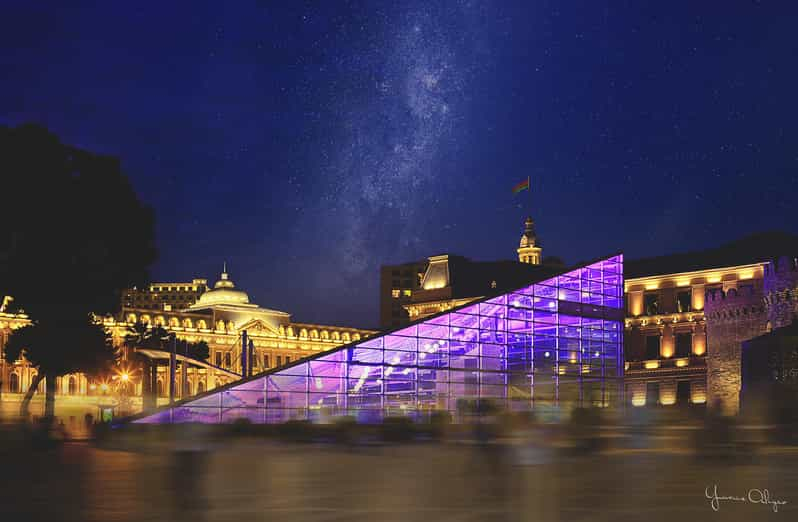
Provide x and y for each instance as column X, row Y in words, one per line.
column 529, row 250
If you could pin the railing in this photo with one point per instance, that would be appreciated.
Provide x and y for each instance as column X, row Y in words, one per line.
column 665, row 364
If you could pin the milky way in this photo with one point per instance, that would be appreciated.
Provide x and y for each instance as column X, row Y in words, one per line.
column 308, row 143
column 382, row 178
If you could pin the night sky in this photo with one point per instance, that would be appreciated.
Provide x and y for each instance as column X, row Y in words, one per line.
column 308, row 143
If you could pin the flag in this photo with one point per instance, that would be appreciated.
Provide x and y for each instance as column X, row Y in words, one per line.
column 524, row 185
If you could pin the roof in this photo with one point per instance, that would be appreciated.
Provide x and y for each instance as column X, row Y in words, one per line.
column 755, row 248
column 472, row 278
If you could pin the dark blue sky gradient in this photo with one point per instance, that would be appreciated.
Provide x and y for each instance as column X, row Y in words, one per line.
column 308, row 143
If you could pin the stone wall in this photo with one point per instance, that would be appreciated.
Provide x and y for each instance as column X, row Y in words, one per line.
column 781, row 292
column 732, row 317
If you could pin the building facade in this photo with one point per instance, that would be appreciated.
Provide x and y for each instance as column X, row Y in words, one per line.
column 192, row 312
column 397, row 285
column 442, row 282
column 685, row 328
column 666, row 332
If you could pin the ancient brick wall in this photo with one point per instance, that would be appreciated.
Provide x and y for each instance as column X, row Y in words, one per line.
column 781, row 292
column 732, row 317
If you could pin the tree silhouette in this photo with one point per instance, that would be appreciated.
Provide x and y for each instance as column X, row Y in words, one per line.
column 80, row 236
column 57, row 349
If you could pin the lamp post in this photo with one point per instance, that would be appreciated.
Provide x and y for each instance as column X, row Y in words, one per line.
column 172, row 368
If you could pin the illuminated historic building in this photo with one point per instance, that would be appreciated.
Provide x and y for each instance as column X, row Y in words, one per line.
column 688, row 315
column 445, row 281
column 555, row 340
column 220, row 316
column 165, row 296
column 529, row 250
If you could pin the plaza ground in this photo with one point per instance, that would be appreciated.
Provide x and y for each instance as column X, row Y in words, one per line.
column 255, row 479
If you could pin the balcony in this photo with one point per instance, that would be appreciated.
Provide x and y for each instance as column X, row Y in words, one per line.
column 671, row 365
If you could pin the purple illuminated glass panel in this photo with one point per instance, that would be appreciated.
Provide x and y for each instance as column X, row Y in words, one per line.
column 554, row 341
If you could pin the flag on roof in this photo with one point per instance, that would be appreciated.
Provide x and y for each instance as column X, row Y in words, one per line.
column 524, row 185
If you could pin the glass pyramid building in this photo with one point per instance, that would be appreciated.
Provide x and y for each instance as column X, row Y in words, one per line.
column 556, row 341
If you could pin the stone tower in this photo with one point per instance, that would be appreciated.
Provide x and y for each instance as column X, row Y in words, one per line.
column 732, row 317
column 781, row 292
column 529, row 250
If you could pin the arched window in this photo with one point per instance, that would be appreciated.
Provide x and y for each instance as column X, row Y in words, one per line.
column 290, row 332
column 174, row 321
column 282, row 330
column 187, row 323
column 303, row 333
column 220, row 325
column 131, row 318
column 189, row 389
column 160, row 321
column 325, row 334
column 13, row 383
column 200, row 387
column 356, row 337
column 202, row 325
column 73, row 386
column 314, row 334
column 145, row 319
column 345, row 337
column 336, row 336
column 231, row 326
column 161, row 392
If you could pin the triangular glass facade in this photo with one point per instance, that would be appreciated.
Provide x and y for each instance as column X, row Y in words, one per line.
column 557, row 341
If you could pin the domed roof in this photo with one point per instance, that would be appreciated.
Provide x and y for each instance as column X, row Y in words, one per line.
column 223, row 292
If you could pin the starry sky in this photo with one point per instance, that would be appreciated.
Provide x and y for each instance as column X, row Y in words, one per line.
column 307, row 143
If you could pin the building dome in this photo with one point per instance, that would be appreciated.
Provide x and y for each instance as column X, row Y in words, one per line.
column 224, row 293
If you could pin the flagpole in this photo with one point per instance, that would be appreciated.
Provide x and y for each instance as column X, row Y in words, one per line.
column 529, row 188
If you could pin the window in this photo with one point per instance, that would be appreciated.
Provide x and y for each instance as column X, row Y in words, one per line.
column 395, row 283
column 218, row 360
column 684, row 344
column 407, row 293
column 13, row 383
column 652, row 347
column 265, row 361
column 652, row 393
column 651, row 303
column 228, row 360
column 683, row 301
column 395, row 293
column 279, row 360
column 683, row 392
column 287, row 359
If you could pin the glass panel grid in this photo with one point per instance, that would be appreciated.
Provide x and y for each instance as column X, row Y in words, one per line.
column 548, row 342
